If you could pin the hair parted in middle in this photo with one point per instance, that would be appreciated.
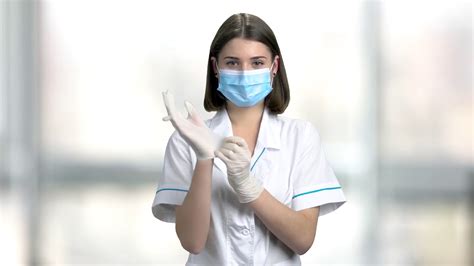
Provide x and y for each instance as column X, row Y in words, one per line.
column 249, row 27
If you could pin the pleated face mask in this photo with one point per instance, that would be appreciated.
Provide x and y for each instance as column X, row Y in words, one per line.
column 245, row 88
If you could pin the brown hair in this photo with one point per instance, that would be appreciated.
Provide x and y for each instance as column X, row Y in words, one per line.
column 253, row 28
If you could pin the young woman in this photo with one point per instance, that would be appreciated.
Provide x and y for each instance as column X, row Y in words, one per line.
column 247, row 186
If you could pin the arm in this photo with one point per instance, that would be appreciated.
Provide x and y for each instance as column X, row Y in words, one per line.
column 193, row 216
column 296, row 229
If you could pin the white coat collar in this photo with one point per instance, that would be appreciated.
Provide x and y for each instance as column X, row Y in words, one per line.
column 268, row 136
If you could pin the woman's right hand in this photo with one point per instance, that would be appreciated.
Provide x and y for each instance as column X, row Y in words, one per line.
column 236, row 156
column 193, row 129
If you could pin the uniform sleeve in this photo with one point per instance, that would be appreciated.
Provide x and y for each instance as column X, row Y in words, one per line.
column 174, row 182
column 314, row 182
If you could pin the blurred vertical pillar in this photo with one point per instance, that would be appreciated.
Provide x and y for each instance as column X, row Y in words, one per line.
column 22, row 144
column 371, row 33
column 3, row 94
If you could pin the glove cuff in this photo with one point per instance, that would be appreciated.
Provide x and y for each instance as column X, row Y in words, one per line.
column 201, row 157
column 248, row 189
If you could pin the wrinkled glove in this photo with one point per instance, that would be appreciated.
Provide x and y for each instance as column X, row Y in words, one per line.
column 193, row 129
column 236, row 155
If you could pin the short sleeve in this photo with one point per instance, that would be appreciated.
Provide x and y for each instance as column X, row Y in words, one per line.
column 314, row 181
column 175, row 179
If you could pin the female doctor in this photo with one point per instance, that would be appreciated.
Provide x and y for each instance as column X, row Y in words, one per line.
column 247, row 186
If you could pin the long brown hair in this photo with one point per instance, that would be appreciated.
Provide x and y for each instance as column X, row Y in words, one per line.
column 253, row 28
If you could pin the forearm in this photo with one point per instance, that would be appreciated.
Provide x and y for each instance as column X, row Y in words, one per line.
column 295, row 229
column 193, row 216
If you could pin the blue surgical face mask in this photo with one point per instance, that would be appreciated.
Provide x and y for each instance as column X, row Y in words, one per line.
column 245, row 88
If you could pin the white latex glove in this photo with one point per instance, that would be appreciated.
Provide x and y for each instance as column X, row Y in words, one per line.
column 236, row 155
column 193, row 129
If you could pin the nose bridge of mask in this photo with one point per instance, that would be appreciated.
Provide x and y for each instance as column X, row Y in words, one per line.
column 245, row 71
column 246, row 77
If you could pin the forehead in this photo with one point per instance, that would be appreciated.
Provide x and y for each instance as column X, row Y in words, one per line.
column 243, row 48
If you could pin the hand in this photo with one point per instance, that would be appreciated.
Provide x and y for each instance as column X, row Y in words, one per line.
column 236, row 155
column 193, row 129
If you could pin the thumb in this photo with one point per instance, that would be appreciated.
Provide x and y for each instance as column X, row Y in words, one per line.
column 168, row 99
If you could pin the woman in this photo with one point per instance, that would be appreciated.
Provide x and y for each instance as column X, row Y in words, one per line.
column 247, row 186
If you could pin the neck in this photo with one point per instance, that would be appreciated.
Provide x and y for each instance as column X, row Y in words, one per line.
column 245, row 116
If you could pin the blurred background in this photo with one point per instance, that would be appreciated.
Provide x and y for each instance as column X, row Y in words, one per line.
column 388, row 84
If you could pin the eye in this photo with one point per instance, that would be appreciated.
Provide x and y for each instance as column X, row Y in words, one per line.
column 258, row 63
column 231, row 63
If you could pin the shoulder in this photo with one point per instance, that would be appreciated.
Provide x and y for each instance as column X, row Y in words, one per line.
column 176, row 139
column 176, row 144
column 298, row 128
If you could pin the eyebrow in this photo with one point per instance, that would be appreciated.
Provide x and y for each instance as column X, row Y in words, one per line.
column 253, row 58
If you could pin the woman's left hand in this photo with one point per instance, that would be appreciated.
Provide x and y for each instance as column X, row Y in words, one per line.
column 193, row 129
column 236, row 155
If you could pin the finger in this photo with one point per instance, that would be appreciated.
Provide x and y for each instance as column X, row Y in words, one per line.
column 193, row 115
column 221, row 156
column 231, row 147
column 237, row 140
column 231, row 150
column 168, row 99
column 230, row 154
column 189, row 108
column 229, row 141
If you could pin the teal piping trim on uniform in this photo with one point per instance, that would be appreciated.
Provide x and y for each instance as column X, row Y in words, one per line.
column 257, row 159
column 314, row 191
column 172, row 189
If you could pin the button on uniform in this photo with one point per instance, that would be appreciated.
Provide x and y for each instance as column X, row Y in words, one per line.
column 245, row 231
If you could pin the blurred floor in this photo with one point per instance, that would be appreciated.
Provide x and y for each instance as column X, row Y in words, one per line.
column 107, row 223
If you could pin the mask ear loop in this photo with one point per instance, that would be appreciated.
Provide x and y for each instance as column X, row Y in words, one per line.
column 272, row 73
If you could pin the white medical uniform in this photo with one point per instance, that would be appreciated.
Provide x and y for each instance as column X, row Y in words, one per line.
column 289, row 161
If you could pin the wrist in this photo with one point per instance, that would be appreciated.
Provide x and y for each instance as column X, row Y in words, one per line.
column 204, row 156
column 205, row 161
column 248, row 188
